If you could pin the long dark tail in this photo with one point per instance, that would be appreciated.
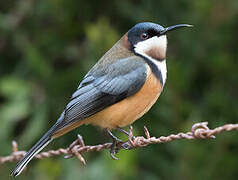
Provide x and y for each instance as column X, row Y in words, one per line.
column 44, row 141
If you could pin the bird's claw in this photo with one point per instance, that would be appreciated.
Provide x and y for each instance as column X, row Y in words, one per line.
column 118, row 144
column 115, row 145
column 112, row 153
column 126, row 145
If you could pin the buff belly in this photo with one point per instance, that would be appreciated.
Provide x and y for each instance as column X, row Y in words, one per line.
column 130, row 109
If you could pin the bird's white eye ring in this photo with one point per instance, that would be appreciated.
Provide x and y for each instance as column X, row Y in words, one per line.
column 144, row 36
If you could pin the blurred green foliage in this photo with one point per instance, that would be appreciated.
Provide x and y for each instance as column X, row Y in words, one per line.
column 47, row 46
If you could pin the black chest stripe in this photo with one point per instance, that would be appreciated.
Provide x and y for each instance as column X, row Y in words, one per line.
column 154, row 68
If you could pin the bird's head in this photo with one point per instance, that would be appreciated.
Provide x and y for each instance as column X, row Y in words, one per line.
column 149, row 39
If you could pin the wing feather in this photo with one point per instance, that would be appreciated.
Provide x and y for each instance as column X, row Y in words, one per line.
column 104, row 87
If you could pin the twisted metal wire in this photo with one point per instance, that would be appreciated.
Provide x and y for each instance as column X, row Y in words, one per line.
column 198, row 131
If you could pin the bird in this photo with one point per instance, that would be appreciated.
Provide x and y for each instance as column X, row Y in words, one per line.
column 120, row 88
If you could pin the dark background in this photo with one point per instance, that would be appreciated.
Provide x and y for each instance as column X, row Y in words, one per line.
column 47, row 46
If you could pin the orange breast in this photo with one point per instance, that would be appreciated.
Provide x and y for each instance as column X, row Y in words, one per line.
column 126, row 111
column 130, row 109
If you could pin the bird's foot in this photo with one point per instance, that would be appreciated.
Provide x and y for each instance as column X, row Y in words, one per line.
column 118, row 144
column 115, row 147
column 128, row 134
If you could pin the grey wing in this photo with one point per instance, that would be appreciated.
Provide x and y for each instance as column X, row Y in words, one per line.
column 103, row 87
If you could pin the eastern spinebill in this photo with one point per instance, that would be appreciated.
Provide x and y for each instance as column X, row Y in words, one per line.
column 120, row 88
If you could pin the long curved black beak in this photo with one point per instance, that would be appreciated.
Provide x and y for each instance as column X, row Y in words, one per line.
column 171, row 28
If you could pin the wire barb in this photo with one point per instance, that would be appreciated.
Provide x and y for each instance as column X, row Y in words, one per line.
column 77, row 147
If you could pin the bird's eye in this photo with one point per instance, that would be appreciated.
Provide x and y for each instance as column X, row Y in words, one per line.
column 144, row 36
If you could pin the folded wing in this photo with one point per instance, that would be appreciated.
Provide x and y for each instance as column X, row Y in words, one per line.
column 103, row 87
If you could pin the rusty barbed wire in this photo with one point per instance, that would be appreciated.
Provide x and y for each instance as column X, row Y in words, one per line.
column 198, row 131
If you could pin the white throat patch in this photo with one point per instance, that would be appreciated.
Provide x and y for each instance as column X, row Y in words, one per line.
column 161, row 44
column 158, row 42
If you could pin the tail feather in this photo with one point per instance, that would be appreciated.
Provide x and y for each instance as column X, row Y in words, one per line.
column 44, row 141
